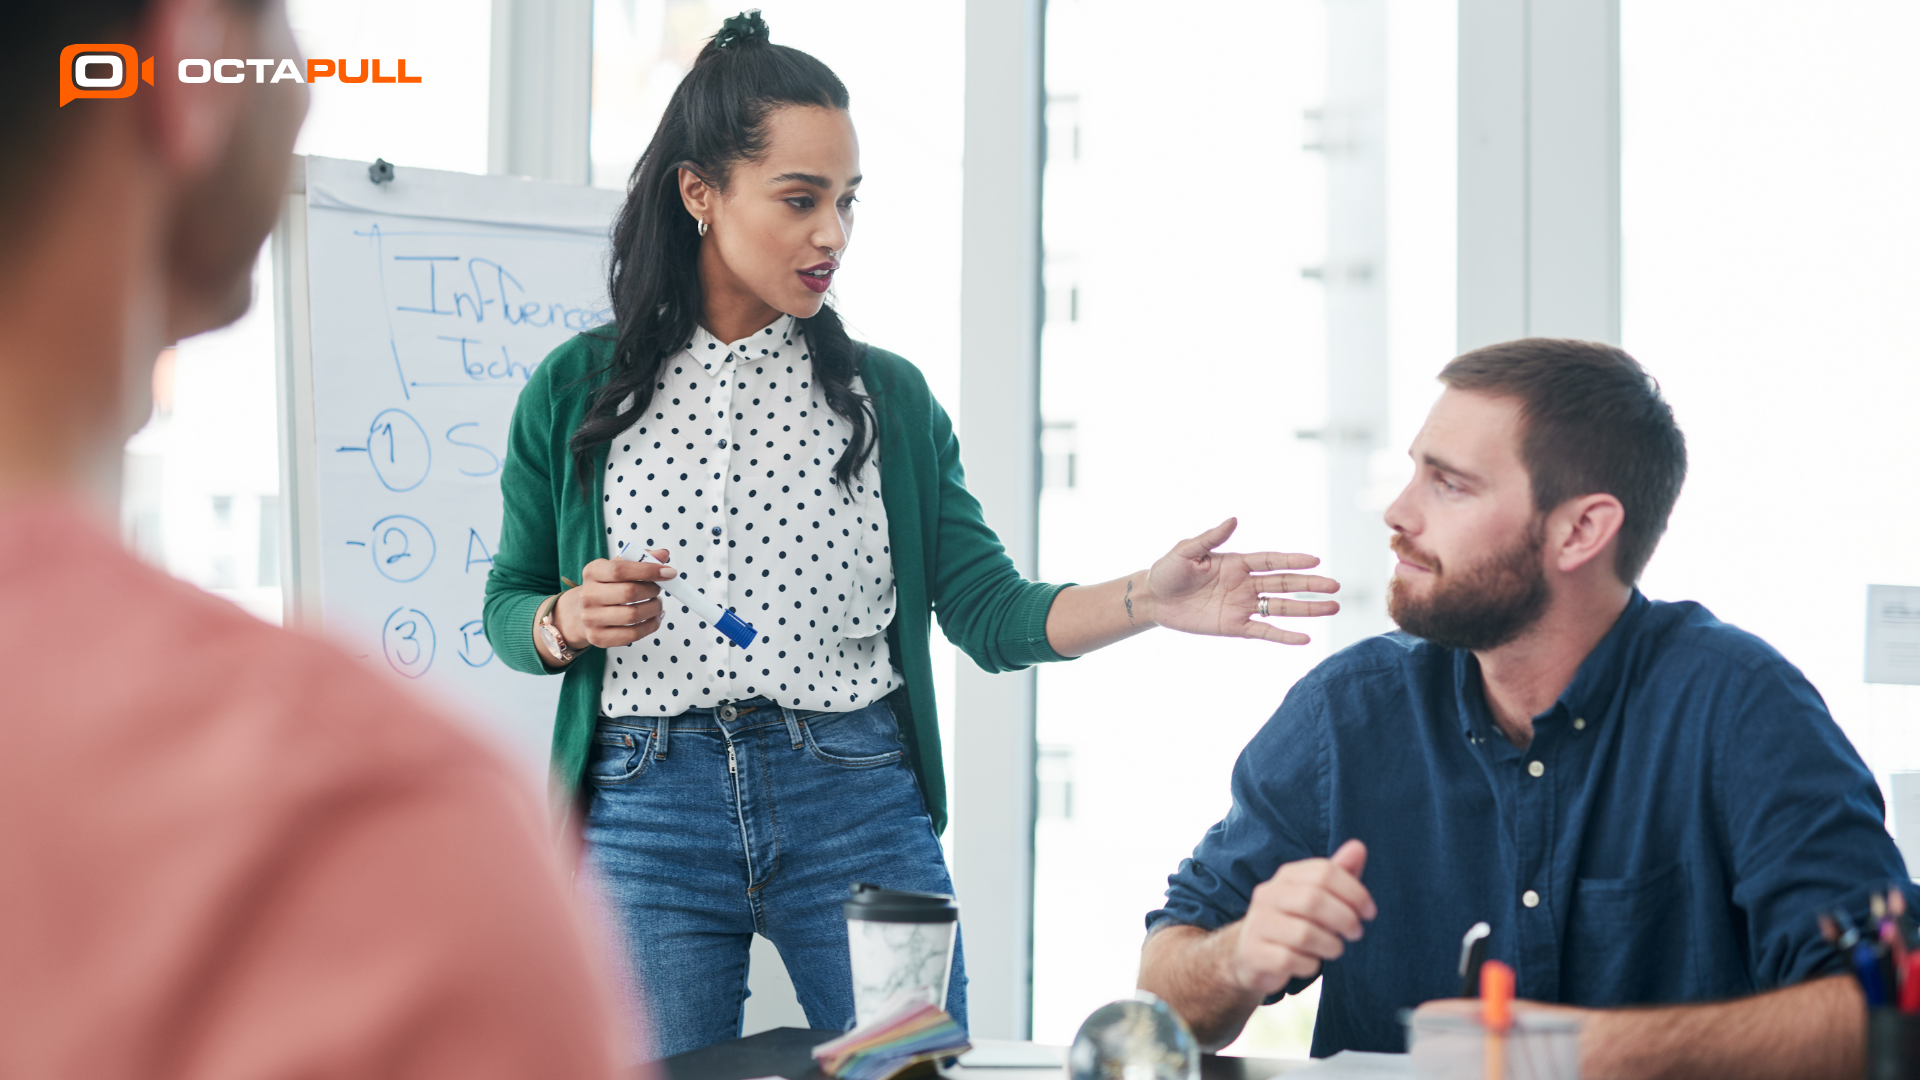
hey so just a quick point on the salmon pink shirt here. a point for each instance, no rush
(229, 850)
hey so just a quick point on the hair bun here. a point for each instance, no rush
(748, 24)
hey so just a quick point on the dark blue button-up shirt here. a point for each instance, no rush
(1686, 808)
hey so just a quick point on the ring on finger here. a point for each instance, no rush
(1263, 607)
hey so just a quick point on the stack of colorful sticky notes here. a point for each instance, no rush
(908, 1031)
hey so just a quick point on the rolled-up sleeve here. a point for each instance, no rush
(1805, 824)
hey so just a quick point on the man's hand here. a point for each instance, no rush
(1303, 916)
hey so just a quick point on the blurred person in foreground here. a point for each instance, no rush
(225, 850)
(1649, 806)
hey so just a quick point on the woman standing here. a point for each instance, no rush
(727, 425)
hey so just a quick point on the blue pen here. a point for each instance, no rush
(731, 626)
(1866, 965)
(1859, 952)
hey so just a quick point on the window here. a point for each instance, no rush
(440, 123)
(201, 481)
(1192, 311)
(1767, 221)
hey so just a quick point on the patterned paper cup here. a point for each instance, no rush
(899, 942)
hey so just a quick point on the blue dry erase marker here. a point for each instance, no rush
(731, 626)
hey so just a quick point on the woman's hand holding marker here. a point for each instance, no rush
(701, 606)
(616, 603)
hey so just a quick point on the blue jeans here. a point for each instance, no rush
(708, 827)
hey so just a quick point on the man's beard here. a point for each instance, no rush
(1482, 607)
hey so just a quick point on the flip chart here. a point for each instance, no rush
(429, 301)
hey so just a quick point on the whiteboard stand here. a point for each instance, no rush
(293, 385)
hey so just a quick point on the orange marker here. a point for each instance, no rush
(1496, 1014)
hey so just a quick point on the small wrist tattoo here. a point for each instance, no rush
(1128, 599)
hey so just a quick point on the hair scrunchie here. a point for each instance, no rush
(745, 25)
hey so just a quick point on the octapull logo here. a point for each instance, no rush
(116, 71)
(101, 71)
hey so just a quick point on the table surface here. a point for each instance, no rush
(787, 1052)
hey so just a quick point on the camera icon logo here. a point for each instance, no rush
(101, 71)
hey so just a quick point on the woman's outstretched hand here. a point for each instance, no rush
(1202, 591)
(1193, 588)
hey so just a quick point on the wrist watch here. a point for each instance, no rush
(556, 641)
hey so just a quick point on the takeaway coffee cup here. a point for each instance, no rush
(898, 942)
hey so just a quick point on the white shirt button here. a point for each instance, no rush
(1530, 898)
(1579, 723)
(1536, 768)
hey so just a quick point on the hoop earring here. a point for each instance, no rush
(703, 228)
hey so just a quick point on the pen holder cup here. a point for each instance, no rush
(1447, 1046)
(1893, 1045)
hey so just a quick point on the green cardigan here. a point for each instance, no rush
(946, 561)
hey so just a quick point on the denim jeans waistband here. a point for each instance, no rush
(732, 715)
(727, 719)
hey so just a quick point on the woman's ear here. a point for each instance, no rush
(696, 195)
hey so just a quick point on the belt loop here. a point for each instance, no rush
(793, 726)
(660, 727)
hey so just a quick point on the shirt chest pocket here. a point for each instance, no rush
(1627, 940)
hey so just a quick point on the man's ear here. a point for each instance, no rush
(1579, 530)
(696, 195)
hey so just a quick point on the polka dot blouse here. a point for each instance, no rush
(730, 467)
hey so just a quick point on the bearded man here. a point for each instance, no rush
(1650, 807)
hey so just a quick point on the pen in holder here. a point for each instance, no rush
(1893, 1045)
(1444, 1046)
(1493, 1042)
(1885, 958)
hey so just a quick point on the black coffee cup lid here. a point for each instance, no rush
(874, 904)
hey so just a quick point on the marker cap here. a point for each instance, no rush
(1496, 995)
(736, 629)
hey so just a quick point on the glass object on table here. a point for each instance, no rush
(1139, 1038)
